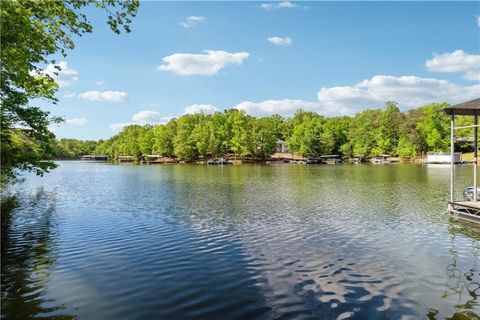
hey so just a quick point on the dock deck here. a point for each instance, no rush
(466, 210)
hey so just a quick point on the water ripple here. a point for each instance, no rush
(97, 241)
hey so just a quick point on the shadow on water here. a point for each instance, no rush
(462, 279)
(28, 257)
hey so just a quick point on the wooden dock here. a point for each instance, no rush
(89, 157)
(155, 159)
(331, 159)
(465, 210)
(126, 159)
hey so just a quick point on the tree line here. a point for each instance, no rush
(235, 133)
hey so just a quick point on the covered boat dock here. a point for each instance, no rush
(126, 159)
(90, 157)
(331, 159)
(464, 209)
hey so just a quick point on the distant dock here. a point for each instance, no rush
(89, 157)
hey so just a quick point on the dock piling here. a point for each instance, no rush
(475, 137)
(452, 155)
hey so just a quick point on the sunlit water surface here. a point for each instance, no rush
(99, 241)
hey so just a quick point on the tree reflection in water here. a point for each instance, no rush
(462, 281)
(28, 256)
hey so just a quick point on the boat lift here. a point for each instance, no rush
(469, 207)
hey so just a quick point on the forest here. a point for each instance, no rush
(233, 132)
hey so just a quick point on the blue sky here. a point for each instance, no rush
(267, 57)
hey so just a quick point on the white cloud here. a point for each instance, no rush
(267, 6)
(109, 96)
(76, 121)
(99, 82)
(284, 107)
(278, 5)
(472, 75)
(192, 21)
(207, 64)
(200, 108)
(456, 61)
(408, 91)
(154, 117)
(69, 94)
(149, 117)
(119, 126)
(280, 41)
(61, 73)
(142, 118)
(286, 4)
(478, 21)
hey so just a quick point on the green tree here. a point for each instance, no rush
(337, 128)
(434, 127)
(265, 136)
(240, 126)
(363, 133)
(71, 149)
(310, 139)
(146, 140)
(387, 134)
(409, 133)
(184, 145)
(31, 33)
(163, 138)
(406, 148)
(302, 116)
(220, 134)
(129, 142)
(201, 135)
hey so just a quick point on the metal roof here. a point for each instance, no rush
(468, 108)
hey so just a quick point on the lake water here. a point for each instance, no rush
(102, 241)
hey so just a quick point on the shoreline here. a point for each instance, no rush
(253, 162)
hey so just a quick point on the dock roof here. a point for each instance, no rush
(330, 156)
(469, 108)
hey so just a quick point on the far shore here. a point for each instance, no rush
(274, 159)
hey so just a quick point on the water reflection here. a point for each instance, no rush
(246, 242)
(463, 277)
(28, 255)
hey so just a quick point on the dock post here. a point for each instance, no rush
(475, 137)
(452, 155)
